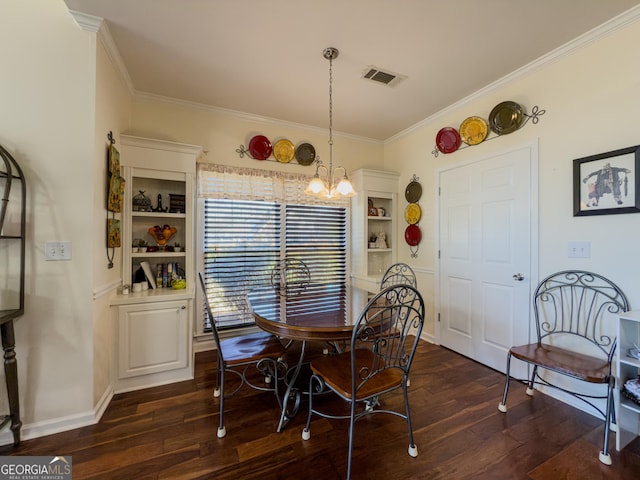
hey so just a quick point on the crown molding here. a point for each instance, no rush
(106, 39)
(251, 117)
(608, 28)
(99, 26)
(89, 23)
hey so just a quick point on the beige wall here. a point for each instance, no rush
(113, 111)
(590, 96)
(220, 133)
(47, 123)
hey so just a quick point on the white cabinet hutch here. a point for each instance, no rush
(379, 190)
(154, 327)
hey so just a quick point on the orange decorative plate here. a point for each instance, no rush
(474, 130)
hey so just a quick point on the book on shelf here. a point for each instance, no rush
(166, 273)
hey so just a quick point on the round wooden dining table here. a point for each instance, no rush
(318, 314)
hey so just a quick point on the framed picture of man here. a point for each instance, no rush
(607, 183)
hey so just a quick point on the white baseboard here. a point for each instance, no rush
(62, 424)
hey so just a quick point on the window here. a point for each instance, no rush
(244, 238)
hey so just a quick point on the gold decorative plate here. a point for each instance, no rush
(474, 130)
(283, 150)
(412, 213)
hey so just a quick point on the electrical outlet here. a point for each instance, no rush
(57, 250)
(579, 250)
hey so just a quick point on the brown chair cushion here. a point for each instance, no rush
(252, 347)
(577, 365)
(336, 371)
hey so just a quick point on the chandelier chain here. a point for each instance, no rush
(330, 109)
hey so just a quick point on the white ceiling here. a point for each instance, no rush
(264, 57)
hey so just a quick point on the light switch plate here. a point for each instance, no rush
(57, 251)
(579, 250)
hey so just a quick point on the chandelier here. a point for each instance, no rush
(328, 188)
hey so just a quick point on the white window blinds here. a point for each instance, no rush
(251, 220)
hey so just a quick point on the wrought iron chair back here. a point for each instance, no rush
(575, 314)
(398, 274)
(290, 277)
(262, 350)
(212, 319)
(579, 305)
(382, 348)
(389, 326)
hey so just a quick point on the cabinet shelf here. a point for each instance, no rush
(629, 405)
(377, 217)
(630, 361)
(158, 215)
(159, 254)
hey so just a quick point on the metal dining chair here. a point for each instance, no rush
(290, 277)
(398, 274)
(261, 349)
(382, 347)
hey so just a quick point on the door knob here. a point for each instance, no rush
(518, 277)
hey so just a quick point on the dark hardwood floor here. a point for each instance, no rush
(169, 432)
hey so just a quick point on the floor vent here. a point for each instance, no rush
(388, 78)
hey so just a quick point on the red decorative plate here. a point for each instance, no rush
(260, 147)
(412, 235)
(448, 140)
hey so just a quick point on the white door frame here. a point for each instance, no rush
(534, 223)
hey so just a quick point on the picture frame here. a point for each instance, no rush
(607, 183)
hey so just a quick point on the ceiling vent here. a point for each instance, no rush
(385, 77)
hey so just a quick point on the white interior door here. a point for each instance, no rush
(486, 233)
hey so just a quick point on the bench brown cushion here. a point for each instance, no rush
(577, 365)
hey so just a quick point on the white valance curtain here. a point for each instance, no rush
(237, 183)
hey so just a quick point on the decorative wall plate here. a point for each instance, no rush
(412, 213)
(413, 192)
(473, 130)
(260, 147)
(412, 235)
(283, 151)
(448, 140)
(305, 154)
(506, 117)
